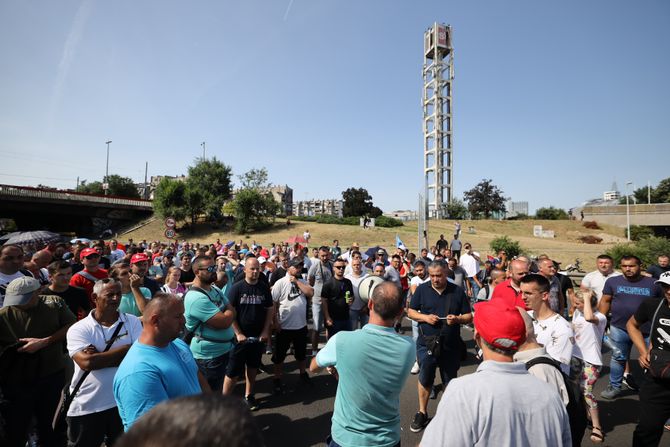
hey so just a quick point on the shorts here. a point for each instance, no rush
(244, 354)
(317, 316)
(214, 369)
(449, 362)
(286, 337)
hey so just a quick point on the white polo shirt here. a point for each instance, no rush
(96, 393)
(596, 281)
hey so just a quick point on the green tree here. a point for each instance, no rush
(170, 199)
(254, 179)
(207, 188)
(122, 187)
(485, 199)
(659, 194)
(456, 209)
(512, 248)
(551, 213)
(358, 203)
(253, 209)
(90, 188)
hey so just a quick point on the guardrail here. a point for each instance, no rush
(71, 196)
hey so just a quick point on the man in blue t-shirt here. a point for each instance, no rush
(209, 317)
(159, 366)
(253, 306)
(623, 295)
(440, 307)
(372, 365)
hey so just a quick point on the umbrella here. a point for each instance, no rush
(4, 237)
(372, 252)
(83, 240)
(34, 237)
(296, 239)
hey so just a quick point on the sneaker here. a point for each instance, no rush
(251, 402)
(277, 387)
(415, 369)
(268, 349)
(630, 383)
(419, 422)
(304, 378)
(610, 393)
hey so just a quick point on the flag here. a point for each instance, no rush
(398, 243)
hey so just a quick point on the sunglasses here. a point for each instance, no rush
(210, 269)
(92, 256)
(339, 267)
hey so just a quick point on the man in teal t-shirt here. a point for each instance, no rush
(209, 316)
(372, 365)
(158, 366)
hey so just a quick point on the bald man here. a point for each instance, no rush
(253, 305)
(159, 366)
(509, 291)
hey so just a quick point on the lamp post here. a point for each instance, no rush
(104, 184)
(628, 212)
(203, 150)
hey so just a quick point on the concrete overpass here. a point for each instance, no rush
(68, 211)
(655, 215)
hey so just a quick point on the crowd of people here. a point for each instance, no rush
(94, 335)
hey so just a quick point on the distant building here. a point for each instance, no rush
(611, 195)
(403, 215)
(284, 196)
(153, 184)
(515, 208)
(316, 207)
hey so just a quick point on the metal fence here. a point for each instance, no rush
(70, 196)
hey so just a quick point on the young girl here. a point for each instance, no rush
(133, 296)
(589, 327)
(172, 284)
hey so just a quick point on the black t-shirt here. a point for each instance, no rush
(566, 284)
(656, 270)
(660, 339)
(441, 243)
(151, 284)
(334, 290)
(186, 276)
(76, 299)
(251, 302)
(427, 301)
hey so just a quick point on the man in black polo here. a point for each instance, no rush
(439, 307)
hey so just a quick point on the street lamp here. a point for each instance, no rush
(104, 184)
(628, 212)
(203, 150)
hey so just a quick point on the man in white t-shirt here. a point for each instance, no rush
(596, 280)
(552, 330)
(469, 261)
(11, 267)
(93, 416)
(358, 310)
(115, 253)
(290, 295)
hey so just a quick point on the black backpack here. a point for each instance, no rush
(576, 406)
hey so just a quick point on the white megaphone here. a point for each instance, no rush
(367, 286)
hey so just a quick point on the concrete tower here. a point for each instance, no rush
(438, 75)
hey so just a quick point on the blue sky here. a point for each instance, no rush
(552, 100)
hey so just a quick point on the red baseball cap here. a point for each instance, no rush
(88, 251)
(500, 325)
(139, 257)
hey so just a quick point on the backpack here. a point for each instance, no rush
(576, 406)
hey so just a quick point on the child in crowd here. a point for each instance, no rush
(589, 326)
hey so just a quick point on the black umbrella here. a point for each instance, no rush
(34, 237)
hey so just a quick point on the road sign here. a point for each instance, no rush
(170, 233)
(170, 222)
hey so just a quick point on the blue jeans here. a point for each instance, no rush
(415, 330)
(621, 344)
(355, 317)
(475, 288)
(214, 370)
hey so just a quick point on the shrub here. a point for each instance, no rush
(512, 248)
(647, 249)
(520, 216)
(639, 232)
(551, 213)
(591, 225)
(388, 222)
(590, 239)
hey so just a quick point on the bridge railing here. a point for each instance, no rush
(37, 193)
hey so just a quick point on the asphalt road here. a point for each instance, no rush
(301, 416)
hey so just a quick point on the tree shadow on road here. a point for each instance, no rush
(280, 430)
